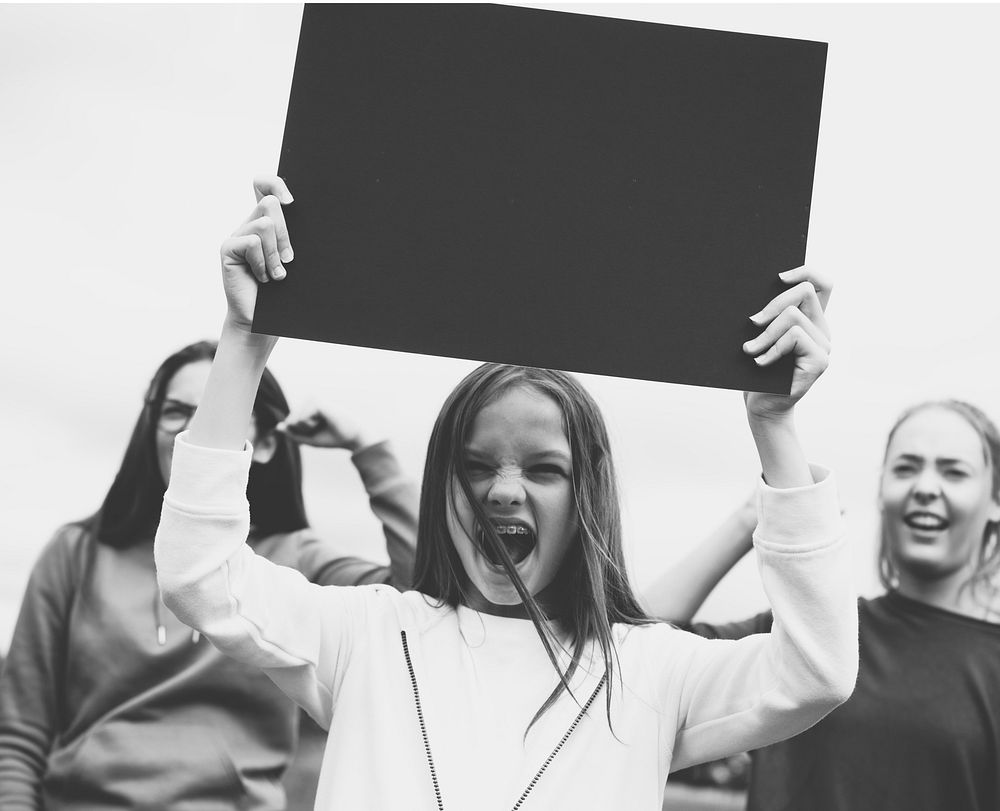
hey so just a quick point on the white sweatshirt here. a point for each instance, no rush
(339, 652)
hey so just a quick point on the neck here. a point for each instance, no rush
(550, 600)
(950, 593)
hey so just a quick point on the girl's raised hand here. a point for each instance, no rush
(794, 323)
(257, 251)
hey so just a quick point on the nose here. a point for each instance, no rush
(927, 487)
(506, 490)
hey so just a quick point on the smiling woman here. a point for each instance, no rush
(922, 730)
(940, 504)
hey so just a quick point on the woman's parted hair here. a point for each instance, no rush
(984, 578)
(592, 581)
(131, 508)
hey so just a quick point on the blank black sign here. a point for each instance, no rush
(544, 188)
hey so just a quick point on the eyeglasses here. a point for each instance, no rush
(174, 416)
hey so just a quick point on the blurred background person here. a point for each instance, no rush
(922, 729)
(106, 699)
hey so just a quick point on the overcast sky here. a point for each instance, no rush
(129, 137)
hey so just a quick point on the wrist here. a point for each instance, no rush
(767, 420)
(237, 334)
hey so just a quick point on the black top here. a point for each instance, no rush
(920, 733)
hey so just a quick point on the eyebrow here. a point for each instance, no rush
(173, 401)
(946, 460)
(533, 457)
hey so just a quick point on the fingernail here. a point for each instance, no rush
(287, 198)
(746, 346)
(756, 317)
(287, 255)
(759, 360)
(279, 273)
(783, 274)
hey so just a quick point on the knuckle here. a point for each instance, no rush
(263, 182)
(263, 223)
(792, 314)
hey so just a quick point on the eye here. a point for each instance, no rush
(904, 470)
(954, 474)
(475, 469)
(547, 470)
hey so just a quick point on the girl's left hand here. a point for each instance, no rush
(794, 323)
(321, 429)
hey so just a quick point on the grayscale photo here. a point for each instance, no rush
(506, 407)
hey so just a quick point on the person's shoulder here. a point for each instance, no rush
(413, 610)
(63, 557)
(655, 633)
(69, 542)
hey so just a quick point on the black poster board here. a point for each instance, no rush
(544, 188)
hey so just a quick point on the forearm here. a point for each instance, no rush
(782, 461)
(251, 609)
(678, 593)
(28, 704)
(772, 686)
(22, 764)
(224, 412)
(394, 501)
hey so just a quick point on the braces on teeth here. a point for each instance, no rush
(511, 530)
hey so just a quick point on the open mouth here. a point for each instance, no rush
(517, 538)
(928, 522)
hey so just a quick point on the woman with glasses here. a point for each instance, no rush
(106, 699)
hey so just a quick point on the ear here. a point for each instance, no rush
(994, 512)
(264, 448)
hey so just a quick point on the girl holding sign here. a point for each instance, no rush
(922, 730)
(520, 671)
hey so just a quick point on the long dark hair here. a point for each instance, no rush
(592, 580)
(984, 576)
(131, 509)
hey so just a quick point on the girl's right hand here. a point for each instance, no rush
(257, 251)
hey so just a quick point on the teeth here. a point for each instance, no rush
(926, 521)
(511, 529)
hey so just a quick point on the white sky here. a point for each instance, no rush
(129, 135)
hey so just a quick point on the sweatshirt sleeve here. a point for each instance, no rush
(31, 685)
(393, 500)
(734, 696)
(256, 611)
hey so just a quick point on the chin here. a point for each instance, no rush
(499, 595)
(924, 567)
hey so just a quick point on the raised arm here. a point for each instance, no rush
(755, 691)
(258, 612)
(677, 594)
(794, 323)
(252, 255)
